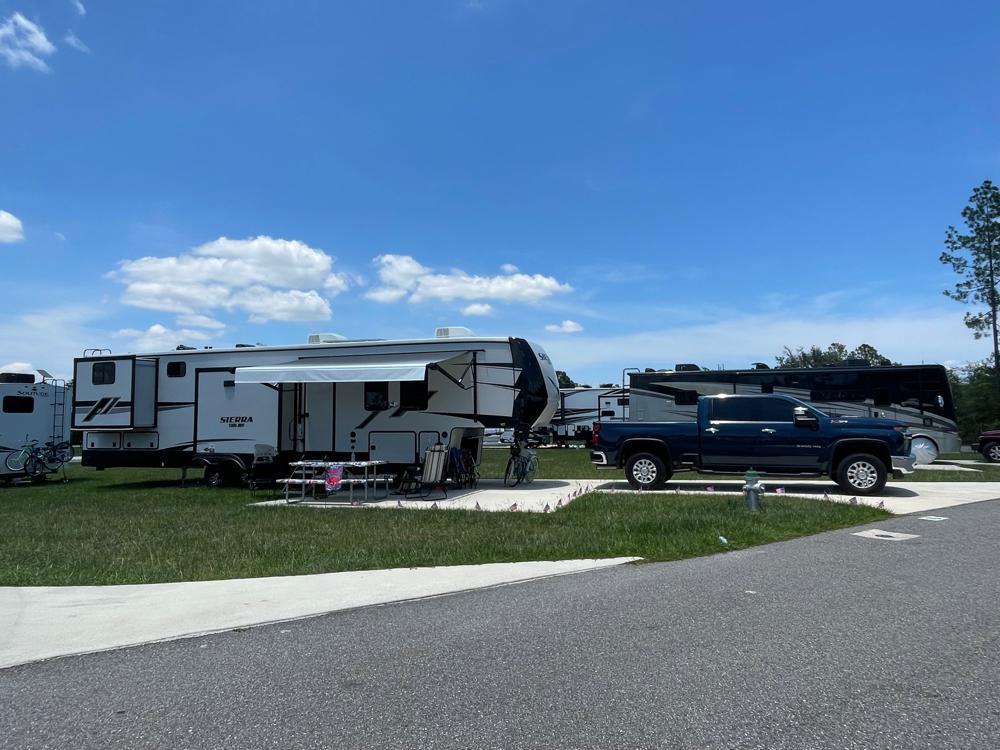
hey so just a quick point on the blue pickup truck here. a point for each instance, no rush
(773, 434)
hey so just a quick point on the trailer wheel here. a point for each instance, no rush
(221, 475)
(646, 471)
(991, 452)
(862, 474)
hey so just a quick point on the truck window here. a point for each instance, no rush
(752, 410)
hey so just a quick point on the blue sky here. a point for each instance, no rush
(628, 184)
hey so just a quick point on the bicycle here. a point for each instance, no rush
(28, 460)
(56, 455)
(521, 466)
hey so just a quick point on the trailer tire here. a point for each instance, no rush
(991, 452)
(646, 471)
(221, 475)
(862, 474)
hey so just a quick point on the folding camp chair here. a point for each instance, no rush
(433, 475)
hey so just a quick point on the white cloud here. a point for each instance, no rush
(23, 43)
(477, 308)
(402, 276)
(509, 268)
(21, 367)
(78, 6)
(50, 338)
(11, 229)
(265, 304)
(272, 279)
(200, 321)
(75, 42)
(567, 326)
(160, 338)
(386, 294)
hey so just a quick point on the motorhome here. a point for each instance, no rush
(579, 408)
(30, 411)
(248, 409)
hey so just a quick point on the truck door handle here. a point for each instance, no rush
(713, 430)
(768, 430)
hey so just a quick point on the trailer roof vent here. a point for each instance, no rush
(686, 367)
(245, 346)
(183, 348)
(452, 332)
(760, 366)
(325, 338)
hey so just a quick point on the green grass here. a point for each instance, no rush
(553, 463)
(574, 463)
(140, 526)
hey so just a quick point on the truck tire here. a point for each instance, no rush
(861, 474)
(991, 452)
(646, 471)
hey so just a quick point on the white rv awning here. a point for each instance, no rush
(382, 367)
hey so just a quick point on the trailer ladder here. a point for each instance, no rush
(58, 409)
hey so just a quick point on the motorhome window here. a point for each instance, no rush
(376, 396)
(882, 397)
(176, 369)
(103, 373)
(18, 405)
(413, 394)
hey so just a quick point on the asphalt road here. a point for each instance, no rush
(832, 641)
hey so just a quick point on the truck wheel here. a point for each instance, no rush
(646, 471)
(861, 474)
(991, 452)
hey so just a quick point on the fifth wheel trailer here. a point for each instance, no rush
(579, 408)
(30, 411)
(252, 409)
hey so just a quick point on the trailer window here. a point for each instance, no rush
(18, 405)
(176, 369)
(413, 395)
(103, 373)
(376, 396)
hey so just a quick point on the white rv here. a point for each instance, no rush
(240, 411)
(579, 408)
(30, 411)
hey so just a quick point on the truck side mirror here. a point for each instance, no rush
(804, 419)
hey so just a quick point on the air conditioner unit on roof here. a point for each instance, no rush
(452, 332)
(325, 338)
